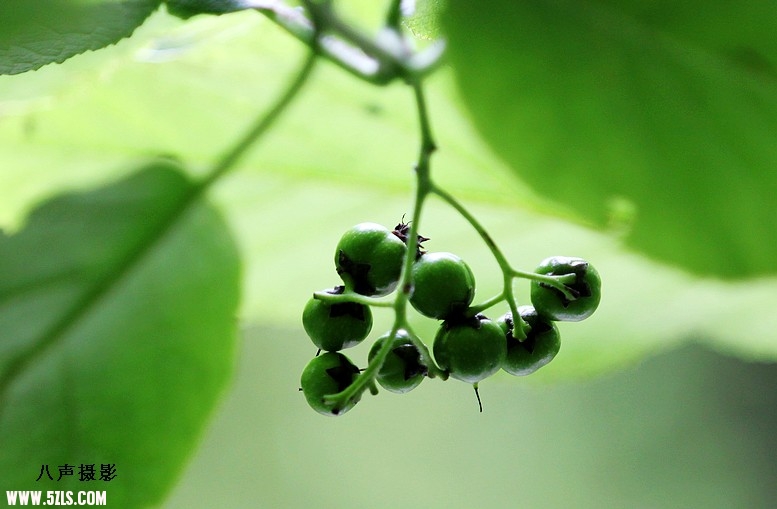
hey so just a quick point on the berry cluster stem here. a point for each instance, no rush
(375, 60)
(351, 296)
(558, 282)
(379, 61)
(519, 331)
(424, 187)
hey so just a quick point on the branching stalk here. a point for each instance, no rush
(424, 187)
(380, 60)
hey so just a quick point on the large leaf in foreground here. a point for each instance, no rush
(117, 334)
(633, 112)
(33, 34)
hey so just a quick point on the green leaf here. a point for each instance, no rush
(424, 21)
(33, 34)
(118, 333)
(658, 117)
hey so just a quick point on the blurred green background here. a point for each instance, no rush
(686, 429)
(641, 409)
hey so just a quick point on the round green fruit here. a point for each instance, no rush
(586, 288)
(327, 374)
(335, 326)
(369, 259)
(443, 285)
(541, 345)
(470, 350)
(402, 371)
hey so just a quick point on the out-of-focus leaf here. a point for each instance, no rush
(424, 20)
(33, 34)
(117, 335)
(658, 116)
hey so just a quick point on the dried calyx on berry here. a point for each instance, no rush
(402, 231)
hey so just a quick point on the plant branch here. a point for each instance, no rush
(352, 297)
(424, 187)
(394, 14)
(377, 60)
(507, 270)
(234, 154)
(556, 281)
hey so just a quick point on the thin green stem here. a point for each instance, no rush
(376, 60)
(352, 297)
(495, 251)
(349, 58)
(519, 324)
(424, 187)
(501, 260)
(426, 357)
(249, 139)
(366, 378)
(388, 56)
(496, 299)
(394, 14)
(558, 282)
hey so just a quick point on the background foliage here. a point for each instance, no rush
(667, 153)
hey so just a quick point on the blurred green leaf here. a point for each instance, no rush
(117, 334)
(33, 34)
(659, 117)
(424, 21)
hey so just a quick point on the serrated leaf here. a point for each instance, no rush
(33, 34)
(117, 335)
(648, 115)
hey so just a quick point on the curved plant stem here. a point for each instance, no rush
(424, 187)
(394, 14)
(507, 270)
(353, 297)
(250, 138)
(376, 60)
(558, 282)
(349, 58)
(496, 299)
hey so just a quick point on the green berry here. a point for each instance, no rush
(586, 289)
(369, 259)
(402, 371)
(540, 346)
(443, 285)
(335, 326)
(327, 374)
(470, 350)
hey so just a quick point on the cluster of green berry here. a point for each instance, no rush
(468, 346)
